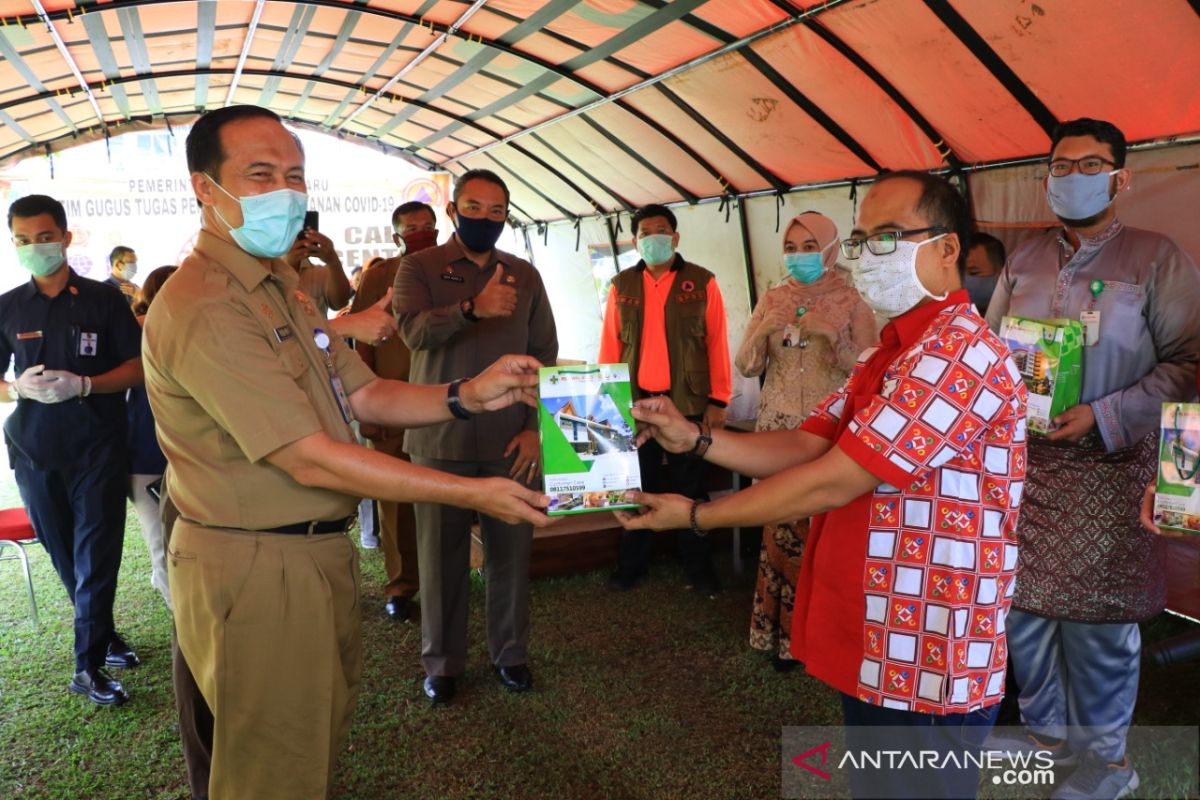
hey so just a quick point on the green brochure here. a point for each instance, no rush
(588, 455)
(1177, 496)
(1049, 356)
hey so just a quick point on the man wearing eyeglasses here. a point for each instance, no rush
(1088, 572)
(912, 474)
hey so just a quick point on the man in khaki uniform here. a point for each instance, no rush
(253, 402)
(415, 228)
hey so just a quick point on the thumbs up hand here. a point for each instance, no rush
(370, 326)
(498, 298)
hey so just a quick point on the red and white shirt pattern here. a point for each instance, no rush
(946, 434)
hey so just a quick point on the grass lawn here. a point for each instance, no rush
(647, 694)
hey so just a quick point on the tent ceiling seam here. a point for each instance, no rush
(603, 187)
(935, 137)
(135, 43)
(237, 73)
(792, 92)
(645, 163)
(411, 65)
(994, 64)
(730, 145)
(66, 55)
(520, 179)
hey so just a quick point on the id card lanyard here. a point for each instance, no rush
(1090, 318)
(321, 339)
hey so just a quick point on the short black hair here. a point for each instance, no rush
(942, 204)
(204, 153)
(118, 252)
(35, 205)
(651, 211)
(478, 175)
(1098, 129)
(992, 246)
(413, 206)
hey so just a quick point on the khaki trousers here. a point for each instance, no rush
(269, 625)
(398, 534)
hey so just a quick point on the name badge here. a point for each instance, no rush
(446, 276)
(87, 343)
(283, 333)
(21, 337)
(1091, 327)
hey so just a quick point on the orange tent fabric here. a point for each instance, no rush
(596, 106)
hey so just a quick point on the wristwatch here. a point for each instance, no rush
(454, 401)
(468, 309)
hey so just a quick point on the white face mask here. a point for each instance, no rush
(889, 284)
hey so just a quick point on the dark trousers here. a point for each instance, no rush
(195, 717)
(683, 475)
(79, 516)
(444, 561)
(873, 728)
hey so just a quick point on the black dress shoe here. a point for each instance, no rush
(99, 687)
(440, 689)
(516, 678)
(398, 608)
(120, 655)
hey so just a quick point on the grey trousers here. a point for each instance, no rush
(1079, 680)
(444, 561)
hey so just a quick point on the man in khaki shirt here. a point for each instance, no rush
(415, 229)
(253, 401)
(459, 305)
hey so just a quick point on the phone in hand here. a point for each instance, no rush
(311, 223)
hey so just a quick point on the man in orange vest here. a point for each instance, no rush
(665, 318)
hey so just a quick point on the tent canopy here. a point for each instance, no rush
(595, 106)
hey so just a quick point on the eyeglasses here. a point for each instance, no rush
(1088, 165)
(881, 244)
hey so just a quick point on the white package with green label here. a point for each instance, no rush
(1177, 494)
(587, 432)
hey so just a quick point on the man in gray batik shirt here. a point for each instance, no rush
(1087, 573)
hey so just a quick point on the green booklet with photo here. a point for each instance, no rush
(1177, 495)
(587, 431)
(1049, 356)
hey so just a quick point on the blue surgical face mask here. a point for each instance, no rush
(656, 248)
(1078, 196)
(41, 259)
(270, 221)
(804, 267)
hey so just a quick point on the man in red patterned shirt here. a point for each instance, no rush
(912, 474)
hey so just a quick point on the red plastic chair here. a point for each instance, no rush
(16, 531)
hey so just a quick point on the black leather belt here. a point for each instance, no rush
(316, 526)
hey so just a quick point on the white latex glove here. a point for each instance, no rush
(49, 385)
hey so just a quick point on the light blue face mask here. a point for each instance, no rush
(41, 259)
(1078, 196)
(656, 249)
(804, 267)
(270, 221)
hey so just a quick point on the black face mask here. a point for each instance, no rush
(479, 235)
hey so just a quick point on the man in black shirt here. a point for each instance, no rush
(75, 349)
